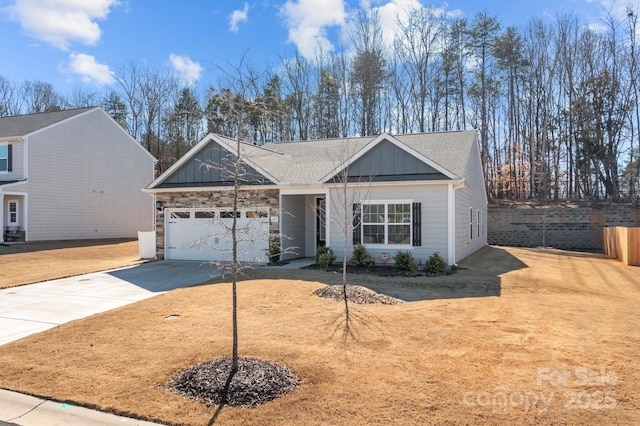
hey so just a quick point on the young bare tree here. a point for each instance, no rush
(346, 194)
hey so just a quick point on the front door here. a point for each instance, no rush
(13, 218)
(321, 222)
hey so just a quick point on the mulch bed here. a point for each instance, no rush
(356, 294)
(255, 382)
(383, 270)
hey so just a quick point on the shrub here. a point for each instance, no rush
(325, 256)
(274, 249)
(405, 261)
(435, 264)
(361, 257)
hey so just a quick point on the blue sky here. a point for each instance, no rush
(72, 43)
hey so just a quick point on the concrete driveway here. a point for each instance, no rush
(32, 308)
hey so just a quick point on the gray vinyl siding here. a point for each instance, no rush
(473, 195)
(85, 181)
(310, 226)
(434, 218)
(292, 218)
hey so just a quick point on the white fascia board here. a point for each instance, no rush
(209, 189)
(399, 183)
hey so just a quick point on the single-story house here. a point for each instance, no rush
(423, 193)
(74, 174)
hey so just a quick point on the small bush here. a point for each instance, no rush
(405, 261)
(435, 264)
(361, 257)
(325, 256)
(274, 249)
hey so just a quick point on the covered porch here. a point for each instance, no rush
(13, 217)
(303, 225)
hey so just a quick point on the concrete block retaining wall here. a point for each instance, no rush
(566, 225)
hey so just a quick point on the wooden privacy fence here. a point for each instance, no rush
(623, 244)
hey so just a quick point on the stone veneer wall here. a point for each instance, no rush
(204, 199)
(568, 225)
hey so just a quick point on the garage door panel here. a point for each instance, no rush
(211, 239)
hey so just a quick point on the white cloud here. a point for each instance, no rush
(308, 21)
(60, 22)
(90, 70)
(188, 69)
(237, 17)
(396, 12)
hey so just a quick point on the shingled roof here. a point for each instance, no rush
(308, 162)
(315, 162)
(22, 125)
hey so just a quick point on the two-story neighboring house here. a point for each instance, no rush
(74, 174)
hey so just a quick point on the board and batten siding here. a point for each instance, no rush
(434, 218)
(472, 195)
(86, 176)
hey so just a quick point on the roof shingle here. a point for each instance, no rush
(22, 125)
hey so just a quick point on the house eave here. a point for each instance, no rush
(209, 188)
(399, 183)
(310, 187)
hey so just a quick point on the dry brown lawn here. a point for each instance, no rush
(522, 336)
(40, 261)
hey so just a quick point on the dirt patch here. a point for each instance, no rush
(521, 336)
(41, 261)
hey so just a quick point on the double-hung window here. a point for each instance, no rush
(387, 223)
(4, 158)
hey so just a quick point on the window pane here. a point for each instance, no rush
(373, 213)
(373, 234)
(3, 164)
(399, 234)
(228, 214)
(399, 213)
(205, 215)
(180, 215)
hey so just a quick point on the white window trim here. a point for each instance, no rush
(4, 172)
(386, 224)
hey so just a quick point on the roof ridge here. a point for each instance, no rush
(79, 109)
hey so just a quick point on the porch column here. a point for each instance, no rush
(451, 234)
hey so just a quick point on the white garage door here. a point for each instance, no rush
(198, 234)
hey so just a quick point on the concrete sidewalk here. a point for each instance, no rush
(33, 308)
(25, 410)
